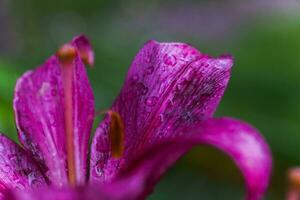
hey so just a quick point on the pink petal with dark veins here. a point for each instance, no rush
(245, 146)
(17, 169)
(168, 85)
(39, 110)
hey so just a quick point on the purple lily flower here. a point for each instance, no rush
(164, 109)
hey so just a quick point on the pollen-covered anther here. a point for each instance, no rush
(294, 178)
(66, 54)
(116, 134)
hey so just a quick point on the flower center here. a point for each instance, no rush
(66, 55)
(116, 134)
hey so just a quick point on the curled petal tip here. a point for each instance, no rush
(224, 62)
(85, 49)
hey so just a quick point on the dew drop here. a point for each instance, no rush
(148, 58)
(22, 136)
(179, 86)
(99, 171)
(6, 168)
(135, 78)
(204, 64)
(161, 117)
(142, 89)
(170, 60)
(223, 63)
(169, 127)
(32, 179)
(150, 70)
(52, 119)
(151, 101)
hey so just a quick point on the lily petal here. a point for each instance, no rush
(91, 192)
(39, 110)
(17, 169)
(168, 84)
(85, 50)
(245, 146)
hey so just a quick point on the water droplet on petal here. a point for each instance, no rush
(135, 78)
(32, 180)
(179, 86)
(151, 101)
(224, 63)
(170, 60)
(204, 64)
(148, 58)
(161, 117)
(22, 136)
(51, 118)
(99, 171)
(141, 88)
(149, 70)
(169, 127)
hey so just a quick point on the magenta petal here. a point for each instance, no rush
(91, 192)
(85, 49)
(55, 194)
(17, 169)
(240, 141)
(168, 84)
(39, 110)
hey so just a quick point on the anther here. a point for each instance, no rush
(66, 54)
(116, 134)
(294, 177)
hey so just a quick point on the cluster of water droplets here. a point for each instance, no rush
(17, 170)
(169, 87)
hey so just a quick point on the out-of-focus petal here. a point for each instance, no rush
(240, 141)
(17, 169)
(168, 84)
(92, 192)
(39, 110)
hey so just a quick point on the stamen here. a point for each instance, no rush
(66, 56)
(294, 180)
(116, 134)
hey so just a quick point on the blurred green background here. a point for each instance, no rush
(263, 36)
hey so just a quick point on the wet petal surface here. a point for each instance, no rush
(118, 191)
(168, 85)
(17, 169)
(39, 110)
